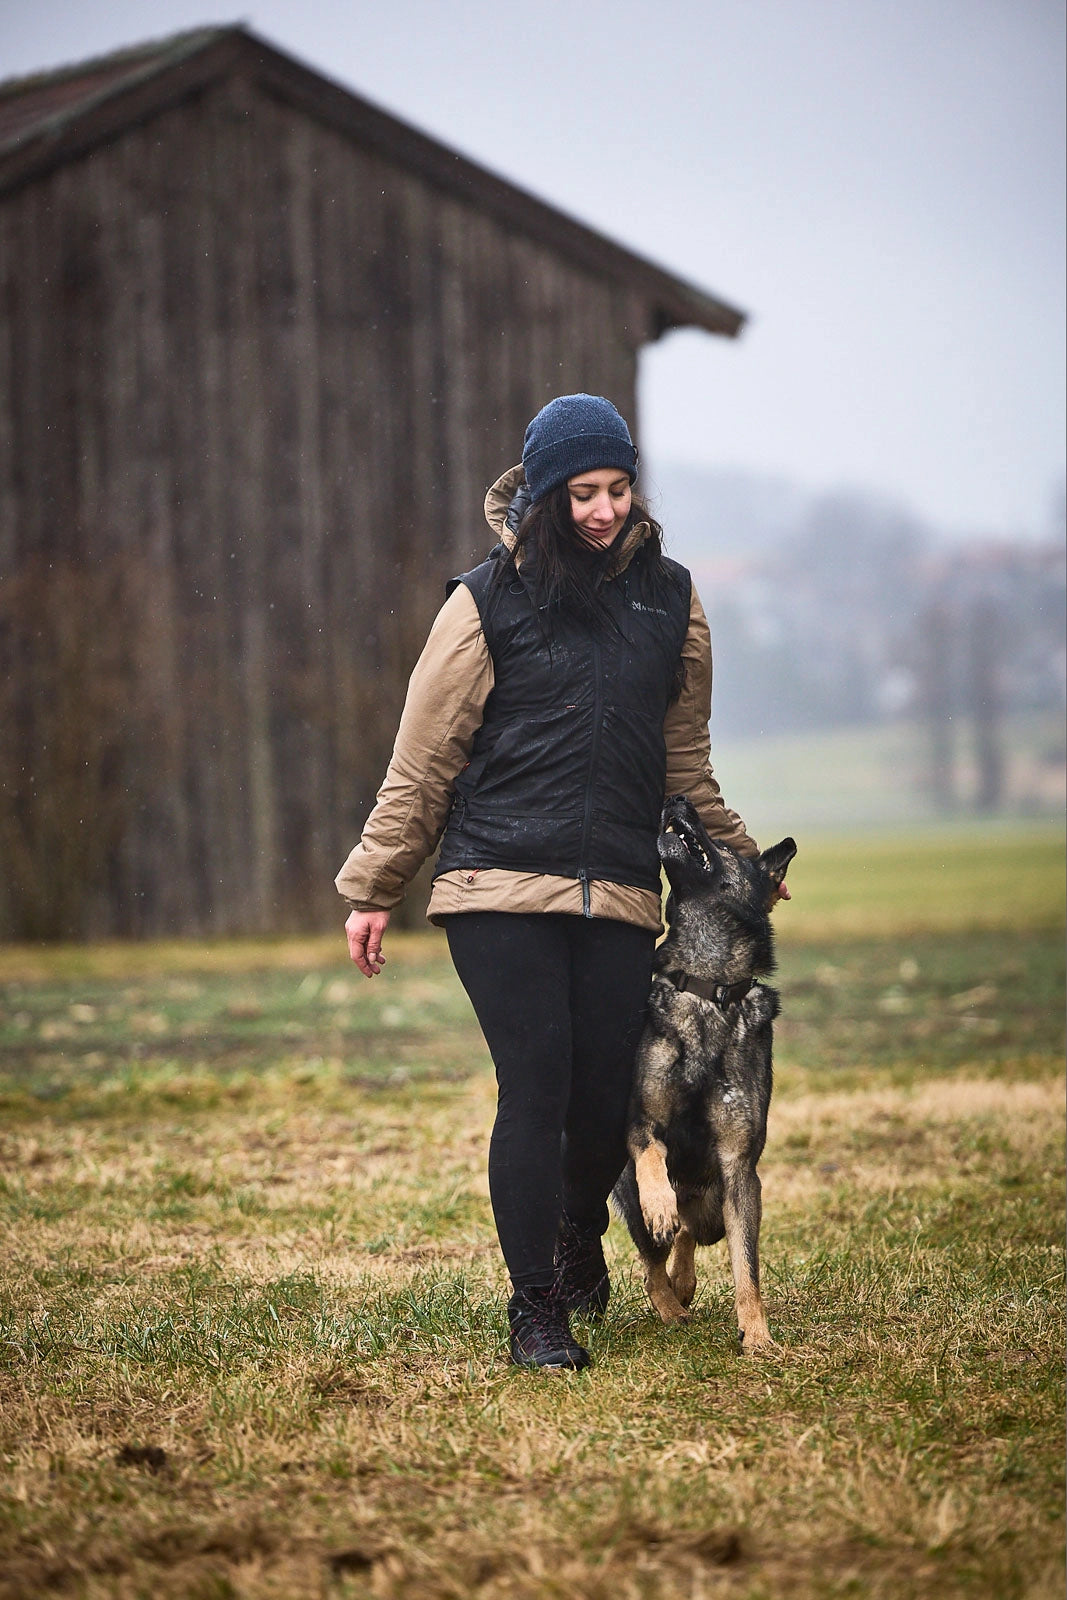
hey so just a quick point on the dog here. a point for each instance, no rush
(698, 1114)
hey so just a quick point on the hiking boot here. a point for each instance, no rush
(582, 1282)
(540, 1334)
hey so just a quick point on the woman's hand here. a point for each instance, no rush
(365, 930)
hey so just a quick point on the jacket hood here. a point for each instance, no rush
(499, 499)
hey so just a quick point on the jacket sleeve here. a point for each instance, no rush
(685, 731)
(443, 710)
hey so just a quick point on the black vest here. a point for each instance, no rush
(567, 771)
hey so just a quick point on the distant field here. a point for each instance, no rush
(930, 880)
(252, 1340)
(871, 777)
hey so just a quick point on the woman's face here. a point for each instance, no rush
(600, 503)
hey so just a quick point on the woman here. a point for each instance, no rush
(565, 688)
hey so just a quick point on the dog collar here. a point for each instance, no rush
(721, 994)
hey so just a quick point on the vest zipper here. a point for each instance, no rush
(594, 753)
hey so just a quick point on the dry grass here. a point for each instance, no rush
(251, 1311)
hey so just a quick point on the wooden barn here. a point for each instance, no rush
(262, 348)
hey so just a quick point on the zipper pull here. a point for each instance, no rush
(583, 878)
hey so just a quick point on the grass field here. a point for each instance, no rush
(252, 1339)
(873, 775)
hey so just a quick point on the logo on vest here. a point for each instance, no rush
(651, 611)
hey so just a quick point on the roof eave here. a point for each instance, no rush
(198, 59)
(672, 302)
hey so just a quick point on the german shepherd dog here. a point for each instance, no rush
(698, 1117)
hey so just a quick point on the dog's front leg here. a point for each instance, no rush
(742, 1211)
(659, 1208)
(659, 1203)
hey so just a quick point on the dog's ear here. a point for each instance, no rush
(775, 861)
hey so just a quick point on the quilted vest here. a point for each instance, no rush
(567, 771)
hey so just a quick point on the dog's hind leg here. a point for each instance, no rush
(742, 1211)
(681, 1268)
(661, 1291)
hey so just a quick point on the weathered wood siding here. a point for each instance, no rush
(254, 381)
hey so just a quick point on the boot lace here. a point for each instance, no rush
(581, 1272)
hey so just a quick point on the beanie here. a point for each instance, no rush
(575, 433)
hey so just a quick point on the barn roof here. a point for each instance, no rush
(53, 117)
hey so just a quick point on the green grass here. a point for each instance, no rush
(887, 887)
(252, 1339)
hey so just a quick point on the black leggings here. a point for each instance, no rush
(561, 1002)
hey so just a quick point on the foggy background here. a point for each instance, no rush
(869, 484)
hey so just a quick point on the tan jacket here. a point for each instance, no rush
(444, 707)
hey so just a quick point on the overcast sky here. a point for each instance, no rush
(880, 183)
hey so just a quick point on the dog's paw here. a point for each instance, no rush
(755, 1339)
(662, 1227)
(660, 1211)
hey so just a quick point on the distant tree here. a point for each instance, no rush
(985, 639)
(935, 663)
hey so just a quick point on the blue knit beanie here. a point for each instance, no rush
(575, 433)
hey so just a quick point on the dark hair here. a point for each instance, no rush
(564, 571)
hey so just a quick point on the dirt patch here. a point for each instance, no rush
(150, 1456)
